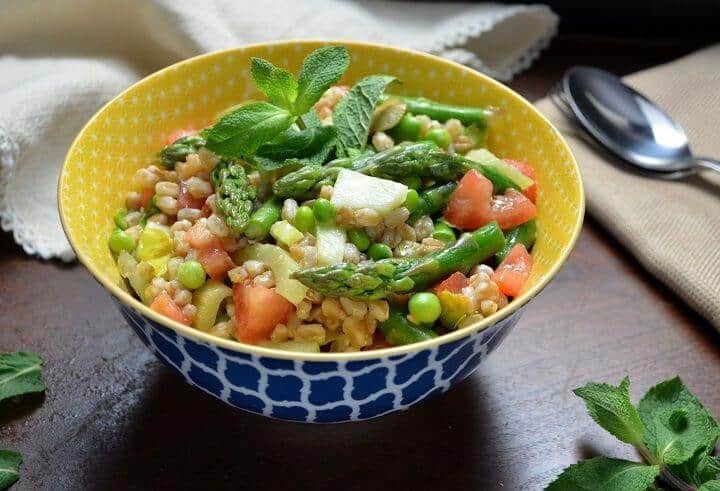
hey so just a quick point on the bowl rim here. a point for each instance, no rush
(130, 301)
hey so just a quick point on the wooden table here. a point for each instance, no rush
(115, 418)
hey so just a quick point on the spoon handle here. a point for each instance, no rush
(707, 163)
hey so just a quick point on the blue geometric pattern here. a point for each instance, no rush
(319, 391)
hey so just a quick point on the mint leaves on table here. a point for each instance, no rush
(603, 473)
(670, 428)
(20, 374)
(9, 464)
(240, 132)
(353, 113)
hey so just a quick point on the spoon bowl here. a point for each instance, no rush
(629, 124)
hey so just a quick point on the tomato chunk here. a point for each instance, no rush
(165, 305)
(179, 133)
(512, 209)
(257, 311)
(146, 196)
(200, 237)
(529, 171)
(453, 283)
(514, 271)
(470, 205)
(187, 200)
(215, 261)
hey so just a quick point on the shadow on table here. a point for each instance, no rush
(180, 438)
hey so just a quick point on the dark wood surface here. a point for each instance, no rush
(114, 418)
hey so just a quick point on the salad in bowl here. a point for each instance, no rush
(327, 217)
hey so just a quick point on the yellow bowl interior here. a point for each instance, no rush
(125, 135)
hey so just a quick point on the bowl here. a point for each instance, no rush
(307, 387)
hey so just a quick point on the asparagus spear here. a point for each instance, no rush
(263, 218)
(433, 200)
(380, 279)
(422, 159)
(398, 330)
(234, 192)
(442, 112)
(523, 234)
(178, 150)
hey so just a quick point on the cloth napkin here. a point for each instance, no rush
(68, 57)
(672, 227)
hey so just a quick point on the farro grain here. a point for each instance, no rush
(166, 188)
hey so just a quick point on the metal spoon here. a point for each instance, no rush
(628, 124)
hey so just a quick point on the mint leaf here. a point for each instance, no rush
(353, 114)
(713, 485)
(605, 474)
(20, 373)
(315, 143)
(311, 119)
(277, 84)
(9, 464)
(611, 408)
(320, 69)
(698, 469)
(677, 425)
(241, 131)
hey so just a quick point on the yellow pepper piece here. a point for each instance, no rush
(207, 299)
(160, 264)
(154, 242)
(455, 307)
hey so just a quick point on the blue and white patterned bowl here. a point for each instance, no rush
(308, 387)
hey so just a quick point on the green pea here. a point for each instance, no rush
(359, 238)
(324, 211)
(413, 182)
(440, 136)
(304, 219)
(412, 200)
(425, 307)
(444, 232)
(191, 274)
(121, 241)
(408, 129)
(380, 251)
(119, 219)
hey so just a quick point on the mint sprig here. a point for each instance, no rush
(605, 474)
(670, 428)
(20, 374)
(240, 132)
(9, 468)
(320, 69)
(353, 113)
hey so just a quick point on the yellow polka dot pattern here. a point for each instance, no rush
(126, 133)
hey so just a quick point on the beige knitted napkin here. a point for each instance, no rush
(672, 227)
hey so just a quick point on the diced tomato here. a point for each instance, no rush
(215, 261)
(164, 304)
(512, 209)
(529, 171)
(206, 211)
(187, 200)
(453, 283)
(200, 237)
(470, 205)
(379, 342)
(177, 134)
(146, 196)
(514, 271)
(257, 311)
